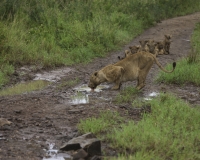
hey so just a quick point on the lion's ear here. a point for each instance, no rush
(130, 47)
(95, 73)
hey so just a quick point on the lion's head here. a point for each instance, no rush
(94, 81)
(134, 49)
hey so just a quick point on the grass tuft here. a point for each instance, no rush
(24, 88)
(104, 123)
(126, 95)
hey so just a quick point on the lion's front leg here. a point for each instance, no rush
(117, 85)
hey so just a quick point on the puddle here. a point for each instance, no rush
(82, 93)
(53, 154)
(151, 95)
(52, 76)
(85, 88)
(80, 98)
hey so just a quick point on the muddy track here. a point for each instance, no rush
(44, 117)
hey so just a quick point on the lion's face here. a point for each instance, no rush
(134, 49)
(160, 45)
(94, 81)
(151, 46)
(168, 37)
(128, 53)
(143, 44)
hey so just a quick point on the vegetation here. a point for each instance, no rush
(103, 123)
(126, 95)
(60, 32)
(189, 67)
(170, 131)
(24, 87)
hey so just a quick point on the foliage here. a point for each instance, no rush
(103, 123)
(126, 95)
(24, 87)
(171, 131)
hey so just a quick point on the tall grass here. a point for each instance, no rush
(187, 70)
(59, 32)
(171, 131)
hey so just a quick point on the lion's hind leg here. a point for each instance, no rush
(143, 74)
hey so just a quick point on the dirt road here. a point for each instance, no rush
(48, 118)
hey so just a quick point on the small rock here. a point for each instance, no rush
(88, 142)
(80, 154)
(4, 121)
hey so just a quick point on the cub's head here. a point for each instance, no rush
(151, 45)
(128, 53)
(143, 44)
(160, 45)
(168, 37)
(94, 81)
(134, 49)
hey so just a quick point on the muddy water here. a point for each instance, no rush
(53, 154)
(81, 95)
(54, 75)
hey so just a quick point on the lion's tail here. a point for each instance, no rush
(163, 69)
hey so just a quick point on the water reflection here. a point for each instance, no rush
(80, 98)
(52, 154)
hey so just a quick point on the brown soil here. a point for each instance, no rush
(47, 116)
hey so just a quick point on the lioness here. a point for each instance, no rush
(132, 67)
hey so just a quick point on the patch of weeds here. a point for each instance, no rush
(126, 95)
(103, 123)
(185, 72)
(138, 103)
(69, 83)
(6, 71)
(193, 57)
(24, 87)
(171, 131)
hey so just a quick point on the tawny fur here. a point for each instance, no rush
(132, 67)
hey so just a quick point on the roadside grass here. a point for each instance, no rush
(24, 87)
(184, 73)
(187, 70)
(77, 31)
(102, 124)
(126, 95)
(170, 131)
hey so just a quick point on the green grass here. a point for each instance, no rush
(184, 73)
(77, 31)
(126, 95)
(187, 69)
(103, 123)
(171, 131)
(24, 88)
